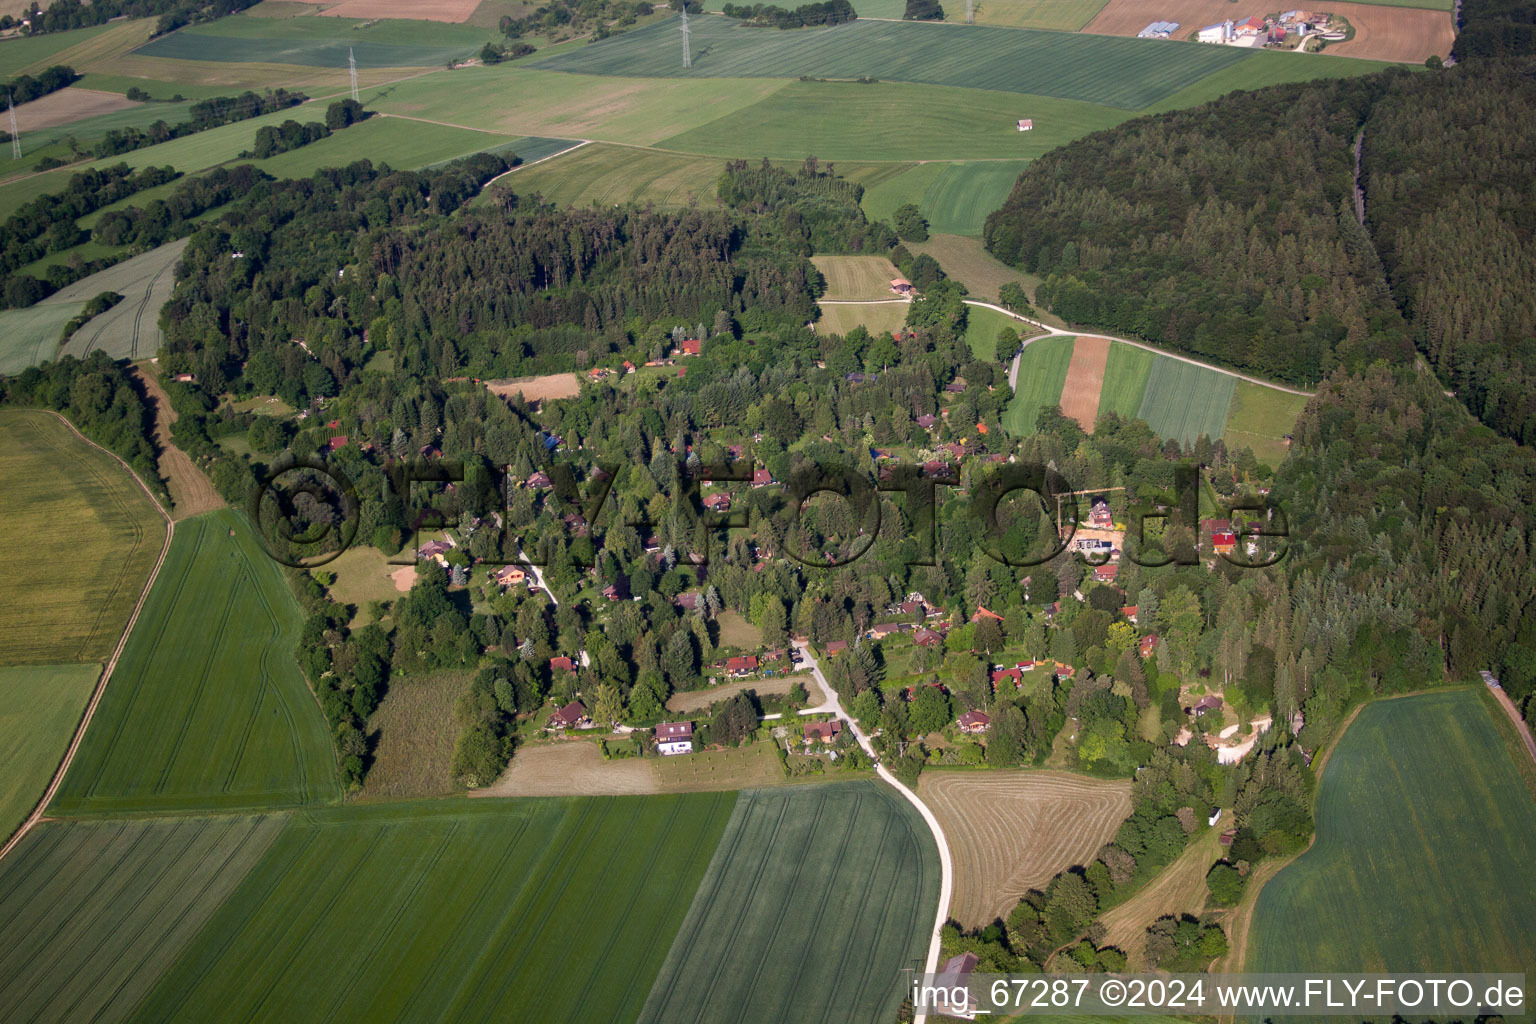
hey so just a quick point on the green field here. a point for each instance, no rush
(895, 121)
(40, 705)
(981, 328)
(1042, 372)
(607, 175)
(1263, 68)
(1183, 401)
(30, 336)
(87, 132)
(207, 708)
(1260, 418)
(158, 90)
(35, 52)
(320, 42)
(1423, 854)
(815, 902)
(1058, 15)
(1125, 73)
(543, 910)
(876, 318)
(130, 329)
(957, 203)
(91, 534)
(384, 140)
(1125, 380)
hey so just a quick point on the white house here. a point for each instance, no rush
(674, 738)
(1220, 32)
(1026, 124)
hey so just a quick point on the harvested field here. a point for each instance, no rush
(537, 389)
(572, 768)
(192, 493)
(875, 316)
(1178, 889)
(1085, 378)
(452, 11)
(1393, 33)
(697, 700)
(91, 536)
(857, 277)
(1402, 34)
(69, 105)
(1010, 832)
(416, 730)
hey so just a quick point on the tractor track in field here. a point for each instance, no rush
(106, 672)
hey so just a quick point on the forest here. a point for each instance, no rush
(1229, 233)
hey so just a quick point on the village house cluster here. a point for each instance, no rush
(1255, 30)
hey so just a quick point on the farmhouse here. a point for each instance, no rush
(901, 286)
(1026, 124)
(1220, 32)
(674, 738)
(572, 716)
(1248, 29)
(974, 722)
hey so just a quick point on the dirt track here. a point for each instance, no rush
(1407, 34)
(192, 492)
(1085, 379)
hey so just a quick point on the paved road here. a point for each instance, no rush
(832, 705)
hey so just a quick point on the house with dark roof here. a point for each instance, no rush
(761, 478)
(974, 722)
(674, 738)
(951, 995)
(572, 716)
(834, 647)
(822, 732)
(927, 638)
(926, 421)
(1147, 646)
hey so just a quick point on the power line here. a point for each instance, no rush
(970, 12)
(352, 69)
(687, 55)
(15, 132)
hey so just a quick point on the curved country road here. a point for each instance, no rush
(117, 652)
(832, 705)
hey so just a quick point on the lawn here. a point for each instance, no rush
(207, 708)
(91, 535)
(1422, 860)
(130, 329)
(981, 330)
(1183, 401)
(30, 336)
(817, 900)
(1013, 831)
(1042, 372)
(362, 574)
(1260, 418)
(756, 764)
(856, 277)
(1125, 380)
(40, 705)
(93, 913)
(1125, 73)
(875, 317)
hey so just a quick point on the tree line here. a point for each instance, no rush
(204, 114)
(830, 12)
(24, 88)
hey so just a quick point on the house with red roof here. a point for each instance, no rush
(927, 638)
(742, 666)
(822, 732)
(572, 716)
(974, 722)
(761, 478)
(983, 613)
(562, 664)
(1147, 646)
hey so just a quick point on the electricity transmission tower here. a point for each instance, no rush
(15, 133)
(352, 69)
(970, 12)
(687, 55)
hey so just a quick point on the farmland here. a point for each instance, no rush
(40, 705)
(856, 277)
(1420, 788)
(577, 768)
(536, 389)
(874, 316)
(1260, 418)
(823, 889)
(34, 53)
(207, 708)
(1056, 15)
(319, 42)
(30, 336)
(68, 105)
(1183, 401)
(965, 260)
(1125, 380)
(1010, 832)
(190, 489)
(1085, 376)
(1042, 372)
(606, 175)
(92, 535)
(958, 201)
(1128, 74)
(130, 329)
(93, 913)
(361, 913)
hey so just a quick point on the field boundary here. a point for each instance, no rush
(106, 672)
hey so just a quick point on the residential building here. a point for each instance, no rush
(674, 738)
(974, 722)
(822, 732)
(572, 716)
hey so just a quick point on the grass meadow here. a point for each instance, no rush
(874, 317)
(40, 705)
(87, 132)
(1042, 372)
(1125, 73)
(958, 201)
(547, 910)
(320, 42)
(856, 277)
(415, 728)
(1422, 858)
(608, 175)
(818, 896)
(1183, 401)
(1260, 418)
(92, 536)
(981, 329)
(207, 708)
(34, 53)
